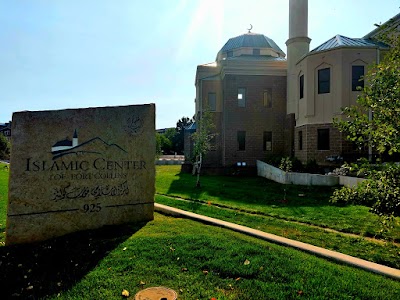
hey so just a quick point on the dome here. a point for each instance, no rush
(251, 40)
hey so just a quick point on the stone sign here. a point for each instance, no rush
(79, 169)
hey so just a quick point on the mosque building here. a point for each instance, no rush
(264, 103)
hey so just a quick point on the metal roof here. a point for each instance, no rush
(253, 40)
(343, 41)
(191, 126)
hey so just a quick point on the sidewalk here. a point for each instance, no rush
(343, 258)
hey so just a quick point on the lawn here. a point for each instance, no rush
(196, 260)
(265, 197)
(3, 199)
(285, 223)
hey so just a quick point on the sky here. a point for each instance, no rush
(57, 54)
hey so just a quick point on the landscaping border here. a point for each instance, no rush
(277, 175)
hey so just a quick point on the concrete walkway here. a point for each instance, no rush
(343, 258)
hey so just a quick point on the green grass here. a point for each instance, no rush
(196, 260)
(3, 200)
(262, 196)
(285, 223)
(375, 251)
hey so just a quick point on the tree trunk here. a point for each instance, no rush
(198, 171)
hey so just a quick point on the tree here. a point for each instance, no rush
(163, 144)
(172, 141)
(178, 141)
(4, 147)
(380, 192)
(375, 120)
(158, 145)
(202, 141)
(183, 123)
(170, 137)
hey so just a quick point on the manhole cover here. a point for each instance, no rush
(156, 293)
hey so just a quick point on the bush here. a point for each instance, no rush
(286, 164)
(312, 166)
(387, 191)
(360, 195)
(361, 168)
(342, 171)
(381, 192)
(297, 165)
(274, 160)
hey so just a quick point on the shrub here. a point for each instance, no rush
(360, 195)
(342, 171)
(361, 168)
(286, 164)
(387, 191)
(297, 165)
(381, 192)
(274, 160)
(312, 166)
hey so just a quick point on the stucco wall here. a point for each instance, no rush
(317, 108)
(350, 181)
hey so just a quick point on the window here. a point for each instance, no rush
(324, 81)
(356, 82)
(301, 86)
(256, 51)
(241, 138)
(323, 139)
(241, 97)
(300, 140)
(229, 54)
(267, 98)
(267, 146)
(212, 101)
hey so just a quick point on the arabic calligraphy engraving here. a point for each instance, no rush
(69, 192)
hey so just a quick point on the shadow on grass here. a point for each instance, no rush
(249, 190)
(42, 269)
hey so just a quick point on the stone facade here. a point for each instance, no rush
(254, 119)
(338, 145)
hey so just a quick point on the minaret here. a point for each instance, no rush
(298, 45)
(75, 139)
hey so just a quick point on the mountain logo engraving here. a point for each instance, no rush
(95, 145)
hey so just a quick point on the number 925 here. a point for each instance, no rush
(92, 208)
